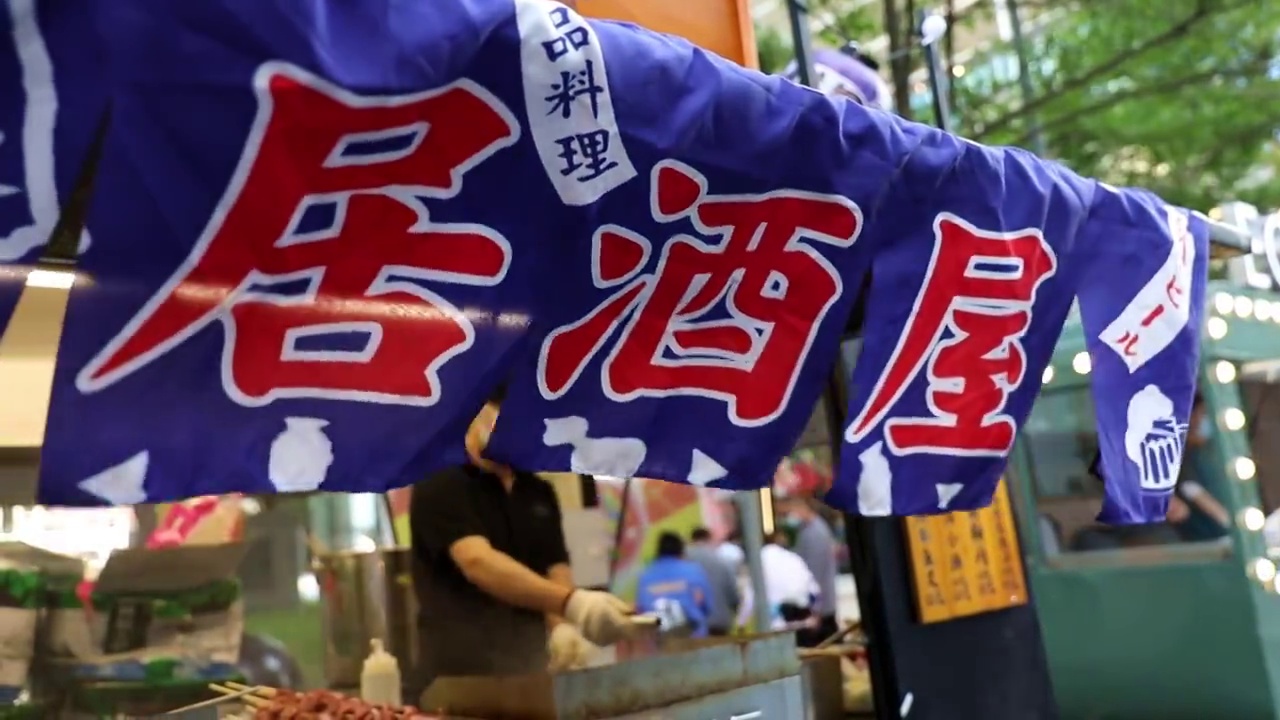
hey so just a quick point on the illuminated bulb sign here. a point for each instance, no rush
(1261, 267)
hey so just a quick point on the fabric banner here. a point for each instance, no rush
(329, 232)
(948, 374)
(53, 98)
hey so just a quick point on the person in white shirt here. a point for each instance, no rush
(732, 554)
(790, 586)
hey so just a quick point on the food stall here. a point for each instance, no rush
(1107, 611)
(111, 625)
(361, 566)
(749, 676)
(368, 595)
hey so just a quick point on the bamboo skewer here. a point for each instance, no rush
(829, 646)
(839, 635)
(263, 690)
(260, 697)
(226, 694)
(247, 696)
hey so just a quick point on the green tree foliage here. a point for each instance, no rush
(773, 50)
(835, 24)
(1179, 96)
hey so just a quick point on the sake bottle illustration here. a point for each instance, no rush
(875, 484)
(618, 457)
(300, 455)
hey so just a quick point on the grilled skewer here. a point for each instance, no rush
(277, 704)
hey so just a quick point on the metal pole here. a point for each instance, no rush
(1229, 239)
(751, 522)
(619, 531)
(933, 63)
(859, 538)
(1036, 136)
(803, 48)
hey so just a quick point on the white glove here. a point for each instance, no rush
(602, 618)
(567, 649)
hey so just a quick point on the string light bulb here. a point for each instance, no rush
(1216, 327)
(1224, 371)
(1263, 570)
(1252, 519)
(1245, 468)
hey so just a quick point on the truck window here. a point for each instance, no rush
(1059, 443)
(1261, 406)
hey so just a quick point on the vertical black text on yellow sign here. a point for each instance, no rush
(966, 563)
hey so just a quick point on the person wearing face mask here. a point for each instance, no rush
(816, 545)
(491, 572)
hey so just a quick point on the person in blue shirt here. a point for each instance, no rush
(675, 589)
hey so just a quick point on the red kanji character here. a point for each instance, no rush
(981, 287)
(1129, 340)
(1180, 229)
(1174, 291)
(1158, 312)
(776, 288)
(317, 147)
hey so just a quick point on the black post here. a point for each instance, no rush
(1024, 76)
(800, 43)
(926, 672)
(862, 561)
(862, 556)
(937, 74)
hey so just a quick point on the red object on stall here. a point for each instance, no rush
(201, 520)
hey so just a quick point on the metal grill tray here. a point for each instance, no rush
(681, 672)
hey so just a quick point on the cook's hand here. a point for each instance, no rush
(602, 618)
(567, 648)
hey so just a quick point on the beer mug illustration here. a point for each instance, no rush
(875, 484)
(1153, 440)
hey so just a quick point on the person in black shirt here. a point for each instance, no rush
(491, 571)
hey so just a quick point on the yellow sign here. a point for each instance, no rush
(722, 26)
(966, 563)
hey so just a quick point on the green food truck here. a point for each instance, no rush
(1179, 620)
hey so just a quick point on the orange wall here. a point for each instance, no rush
(721, 26)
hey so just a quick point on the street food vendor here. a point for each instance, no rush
(491, 571)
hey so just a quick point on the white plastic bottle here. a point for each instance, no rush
(380, 677)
